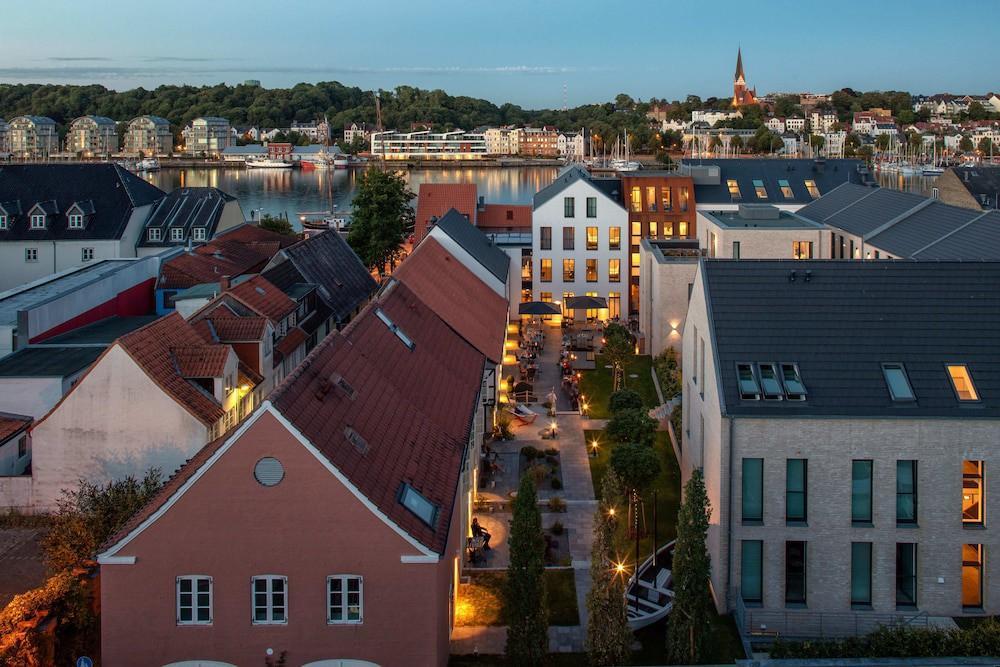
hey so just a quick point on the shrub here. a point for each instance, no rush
(624, 399)
(668, 373)
(530, 453)
(551, 451)
(979, 639)
(557, 504)
(552, 460)
(676, 420)
(556, 484)
(537, 473)
(505, 428)
(632, 426)
(557, 528)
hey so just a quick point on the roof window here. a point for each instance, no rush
(759, 189)
(415, 501)
(355, 439)
(749, 389)
(897, 382)
(811, 187)
(795, 389)
(961, 381)
(786, 188)
(394, 328)
(734, 189)
(769, 381)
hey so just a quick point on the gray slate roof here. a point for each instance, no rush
(849, 318)
(983, 183)
(186, 208)
(474, 242)
(610, 187)
(827, 174)
(977, 240)
(58, 362)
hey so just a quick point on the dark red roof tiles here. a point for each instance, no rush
(436, 199)
(11, 424)
(290, 342)
(234, 329)
(244, 249)
(504, 217)
(264, 298)
(201, 361)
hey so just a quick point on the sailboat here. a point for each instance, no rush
(620, 159)
(934, 168)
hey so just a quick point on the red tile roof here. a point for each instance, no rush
(435, 199)
(253, 234)
(244, 249)
(232, 329)
(153, 349)
(11, 425)
(263, 297)
(289, 343)
(457, 296)
(201, 361)
(504, 217)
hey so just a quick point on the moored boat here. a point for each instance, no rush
(268, 163)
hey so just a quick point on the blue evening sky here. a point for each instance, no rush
(522, 51)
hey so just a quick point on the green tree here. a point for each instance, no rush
(637, 465)
(278, 225)
(524, 592)
(817, 141)
(692, 568)
(985, 145)
(381, 216)
(87, 516)
(632, 425)
(882, 141)
(608, 634)
(977, 111)
(787, 105)
(624, 399)
(965, 144)
(618, 348)
(612, 490)
(357, 145)
(736, 143)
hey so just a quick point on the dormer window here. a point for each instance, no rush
(177, 234)
(3, 222)
(198, 233)
(75, 221)
(38, 221)
(155, 234)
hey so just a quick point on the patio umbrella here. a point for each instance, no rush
(538, 308)
(586, 302)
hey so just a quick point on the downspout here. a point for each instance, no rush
(729, 517)
(53, 257)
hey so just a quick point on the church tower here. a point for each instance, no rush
(742, 96)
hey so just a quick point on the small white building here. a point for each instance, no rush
(822, 121)
(713, 116)
(775, 124)
(795, 124)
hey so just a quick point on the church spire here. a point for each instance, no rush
(739, 64)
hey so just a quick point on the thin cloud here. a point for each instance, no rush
(74, 59)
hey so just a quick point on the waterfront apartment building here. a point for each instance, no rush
(209, 135)
(32, 137)
(4, 137)
(538, 142)
(573, 145)
(502, 140)
(92, 136)
(149, 135)
(845, 415)
(427, 145)
(579, 242)
(354, 130)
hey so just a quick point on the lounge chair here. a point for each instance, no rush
(523, 414)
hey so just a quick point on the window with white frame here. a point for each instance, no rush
(194, 600)
(86, 254)
(177, 234)
(198, 233)
(38, 221)
(31, 254)
(155, 234)
(270, 599)
(75, 221)
(344, 599)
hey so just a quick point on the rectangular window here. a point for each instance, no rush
(651, 199)
(753, 491)
(861, 574)
(76, 221)
(752, 571)
(759, 189)
(569, 270)
(591, 270)
(906, 574)
(591, 238)
(545, 272)
(961, 381)
(897, 382)
(786, 189)
(795, 573)
(682, 226)
(972, 576)
(861, 491)
(906, 492)
(198, 233)
(749, 388)
(155, 234)
(636, 199)
(569, 238)
(972, 493)
(545, 297)
(544, 238)
(614, 270)
(569, 207)
(31, 254)
(811, 187)
(684, 207)
(591, 207)
(344, 603)
(270, 600)
(86, 254)
(194, 600)
(734, 189)
(701, 365)
(3, 222)
(177, 234)
(769, 382)
(22, 447)
(38, 221)
(653, 226)
(736, 249)
(802, 249)
(668, 230)
(796, 489)
(667, 204)
(614, 238)
(795, 389)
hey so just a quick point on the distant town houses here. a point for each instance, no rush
(30, 137)
(354, 131)
(425, 144)
(149, 136)
(92, 136)
(208, 135)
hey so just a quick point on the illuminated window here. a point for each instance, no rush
(786, 189)
(668, 230)
(667, 204)
(614, 304)
(961, 381)
(614, 270)
(651, 198)
(653, 227)
(802, 249)
(591, 270)
(759, 189)
(637, 199)
(545, 297)
(545, 238)
(682, 229)
(614, 238)
(972, 492)
(591, 238)
(546, 271)
(811, 187)
(569, 270)
(972, 576)
(897, 382)
(734, 189)
(684, 198)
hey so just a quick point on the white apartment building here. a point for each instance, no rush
(795, 124)
(572, 145)
(713, 116)
(846, 428)
(355, 130)
(92, 136)
(502, 140)
(760, 231)
(208, 134)
(32, 137)
(424, 144)
(580, 242)
(776, 124)
(149, 135)
(822, 121)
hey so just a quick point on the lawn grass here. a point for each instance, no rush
(480, 602)
(723, 645)
(668, 495)
(595, 385)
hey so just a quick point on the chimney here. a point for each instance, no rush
(482, 202)
(224, 283)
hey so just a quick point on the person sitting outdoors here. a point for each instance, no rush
(479, 531)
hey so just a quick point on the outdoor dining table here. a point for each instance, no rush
(475, 547)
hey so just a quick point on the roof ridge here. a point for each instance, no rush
(954, 231)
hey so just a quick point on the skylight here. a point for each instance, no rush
(355, 439)
(734, 189)
(749, 389)
(394, 328)
(961, 380)
(811, 187)
(415, 501)
(769, 382)
(795, 389)
(759, 189)
(786, 188)
(897, 382)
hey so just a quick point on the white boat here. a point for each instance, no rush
(148, 164)
(625, 165)
(931, 170)
(341, 161)
(267, 163)
(649, 594)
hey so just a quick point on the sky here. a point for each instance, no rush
(537, 53)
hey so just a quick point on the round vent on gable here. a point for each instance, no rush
(268, 471)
